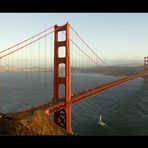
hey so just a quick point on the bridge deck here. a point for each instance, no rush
(55, 105)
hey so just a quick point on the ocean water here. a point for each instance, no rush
(124, 108)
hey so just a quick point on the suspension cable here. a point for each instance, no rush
(94, 52)
(29, 43)
(90, 57)
(26, 40)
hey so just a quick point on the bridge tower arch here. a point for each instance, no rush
(62, 117)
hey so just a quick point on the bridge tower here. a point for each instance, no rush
(146, 63)
(62, 117)
(146, 67)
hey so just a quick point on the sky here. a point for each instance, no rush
(116, 37)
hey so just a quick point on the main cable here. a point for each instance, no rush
(94, 52)
(26, 40)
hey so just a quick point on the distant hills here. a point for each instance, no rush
(122, 68)
(129, 65)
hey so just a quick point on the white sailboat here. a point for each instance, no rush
(100, 122)
(1, 115)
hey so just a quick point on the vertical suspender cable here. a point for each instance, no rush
(45, 73)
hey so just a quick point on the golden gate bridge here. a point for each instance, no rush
(61, 51)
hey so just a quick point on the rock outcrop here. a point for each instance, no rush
(29, 123)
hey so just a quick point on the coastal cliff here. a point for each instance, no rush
(29, 123)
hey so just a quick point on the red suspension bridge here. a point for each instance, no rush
(66, 55)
